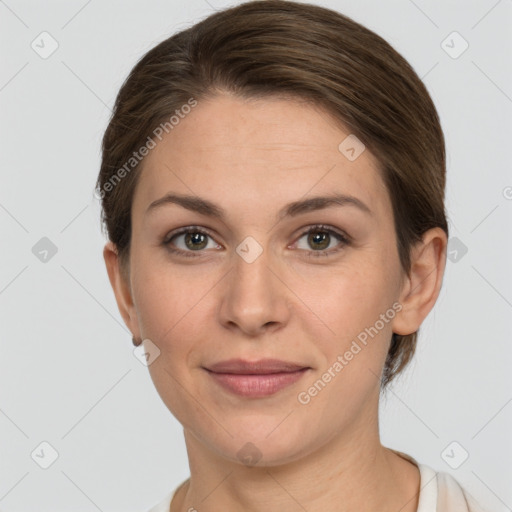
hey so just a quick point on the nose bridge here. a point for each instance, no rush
(251, 270)
(254, 296)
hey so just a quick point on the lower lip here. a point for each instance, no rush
(257, 386)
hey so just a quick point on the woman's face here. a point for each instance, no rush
(250, 283)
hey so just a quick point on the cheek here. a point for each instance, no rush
(349, 301)
(167, 305)
(172, 303)
(158, 296)
(347, 297)
(351, 357)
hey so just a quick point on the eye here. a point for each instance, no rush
(319, 239)
(189, 240)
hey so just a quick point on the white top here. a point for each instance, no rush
(439, 492)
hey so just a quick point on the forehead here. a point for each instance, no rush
(266, 149)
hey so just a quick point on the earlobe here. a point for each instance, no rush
(421, 288)
(121, 288)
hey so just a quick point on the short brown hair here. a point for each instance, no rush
(278, 47)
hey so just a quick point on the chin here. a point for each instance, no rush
(263, 441)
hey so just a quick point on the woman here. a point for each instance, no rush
(272, 186)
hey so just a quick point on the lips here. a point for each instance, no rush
(261, 367)
(256, 379)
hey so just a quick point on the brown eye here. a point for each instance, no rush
(196, 241)
(189, 240)
(319, 239)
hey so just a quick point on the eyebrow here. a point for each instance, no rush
(205, 207)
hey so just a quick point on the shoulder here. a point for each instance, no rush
(440, 492)
(165, 504)
(452, 496)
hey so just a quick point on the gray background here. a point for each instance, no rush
(67, 372)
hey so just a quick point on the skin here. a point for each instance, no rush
(252, 158)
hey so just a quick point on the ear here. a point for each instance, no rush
(421, 288)
(121, 287)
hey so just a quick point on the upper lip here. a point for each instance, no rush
(260, 367)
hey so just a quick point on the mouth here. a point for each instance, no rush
(256, 379)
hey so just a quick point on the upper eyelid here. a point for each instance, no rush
(186, 229)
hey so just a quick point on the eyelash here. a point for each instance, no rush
(344, 240)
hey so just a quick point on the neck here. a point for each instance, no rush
(351, 471)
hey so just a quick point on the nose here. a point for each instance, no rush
(255, 298)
